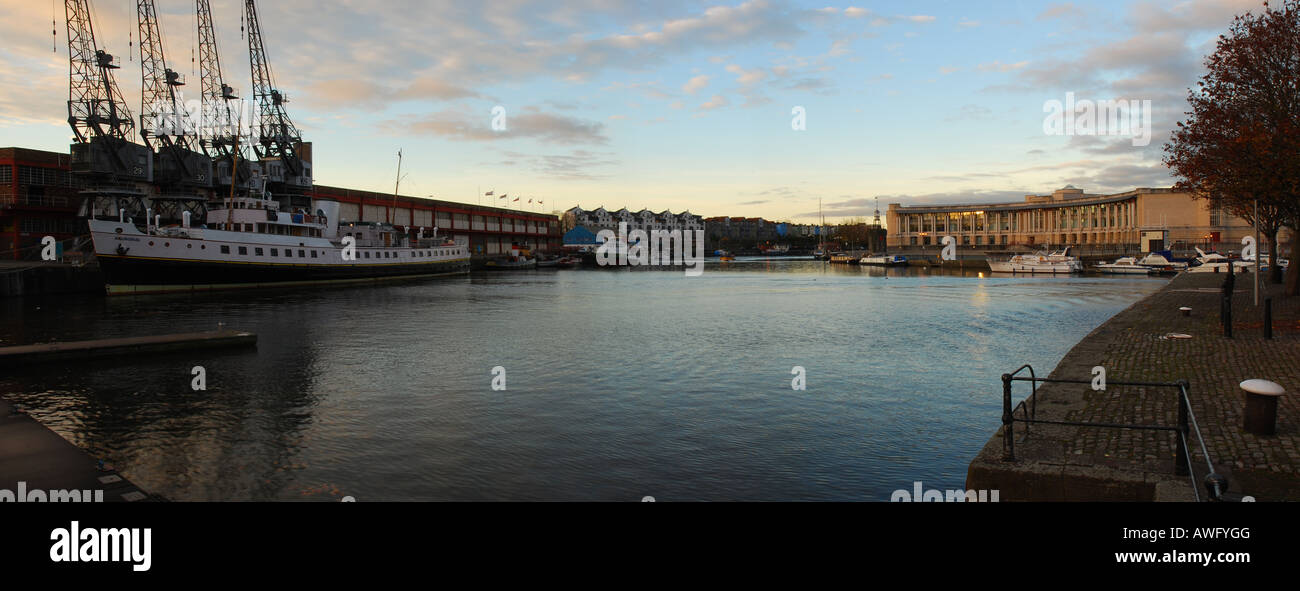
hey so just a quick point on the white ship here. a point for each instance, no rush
(249, 243)
(1039, 262)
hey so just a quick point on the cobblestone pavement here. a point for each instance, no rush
(1080, 463)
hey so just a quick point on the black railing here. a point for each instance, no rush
(1215, 484)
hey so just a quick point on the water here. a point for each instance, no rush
(620, 384)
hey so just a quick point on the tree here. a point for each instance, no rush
(1240, 144)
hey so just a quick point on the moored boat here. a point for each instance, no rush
(248, 242)
(884, 260)
(1123, 266)
(1059, 262)
(1214, 262)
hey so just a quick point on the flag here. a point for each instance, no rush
(516, 199)
(539, 202)
(503, 196)
(530, 200)
(489, 193)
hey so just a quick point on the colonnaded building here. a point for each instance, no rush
(1141, 220)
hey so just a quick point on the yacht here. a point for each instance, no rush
(1160, 264)
(1216, 263)
(1039, 262)
(1123, 266)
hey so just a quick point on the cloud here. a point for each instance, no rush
(748, 77)
(461, 124)
(695, 84)
(1061, 11)
(997, 66)
(718, 101)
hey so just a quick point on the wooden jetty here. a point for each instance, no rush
(100, 348)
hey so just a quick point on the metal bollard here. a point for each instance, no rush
(1260, 414)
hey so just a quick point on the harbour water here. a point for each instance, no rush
(619, 384)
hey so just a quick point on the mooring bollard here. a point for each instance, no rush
(1261, 406)
(1268, 318)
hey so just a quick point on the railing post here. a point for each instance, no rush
(1268, 318)
(1227, 316)
(1180, 447)
(1008, 421)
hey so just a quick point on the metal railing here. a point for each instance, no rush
(1215, 484)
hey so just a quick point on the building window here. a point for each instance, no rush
(302, 254)
(243, 250)
(225, 249)
(288, 253)
(367, 254)
(313, 254)
(257, 251)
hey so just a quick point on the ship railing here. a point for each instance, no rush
(1025, 412)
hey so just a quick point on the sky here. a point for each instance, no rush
(756, 108)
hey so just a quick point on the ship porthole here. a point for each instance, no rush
(150, 243)
(167, 244)
(203, 247)
(189, 246)
(118, 230)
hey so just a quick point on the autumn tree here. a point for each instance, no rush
(1239, 147)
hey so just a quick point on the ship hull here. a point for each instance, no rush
(191, 259)
(135, 275)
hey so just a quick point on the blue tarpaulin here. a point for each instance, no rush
(579, 236)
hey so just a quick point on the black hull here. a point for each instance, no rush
(142, 275)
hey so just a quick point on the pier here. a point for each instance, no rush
(101, 348)
(37, 465)
(1067, 463)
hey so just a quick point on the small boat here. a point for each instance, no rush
(1039, 262)
(884, 260)
(844, 258)
(511, 263)
(519, 258)
(820, 255)
(777, 250)
(1216, 263)
(1123, 266)
(724, 255)
(1161, 265)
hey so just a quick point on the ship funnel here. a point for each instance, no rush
(329, 209)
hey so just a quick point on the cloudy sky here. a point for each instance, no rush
(676, 104)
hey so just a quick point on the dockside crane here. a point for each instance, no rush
(100, 119)
(164, 120)
(219, 125)
(279, 144)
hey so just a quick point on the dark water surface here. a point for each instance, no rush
(620, 384)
